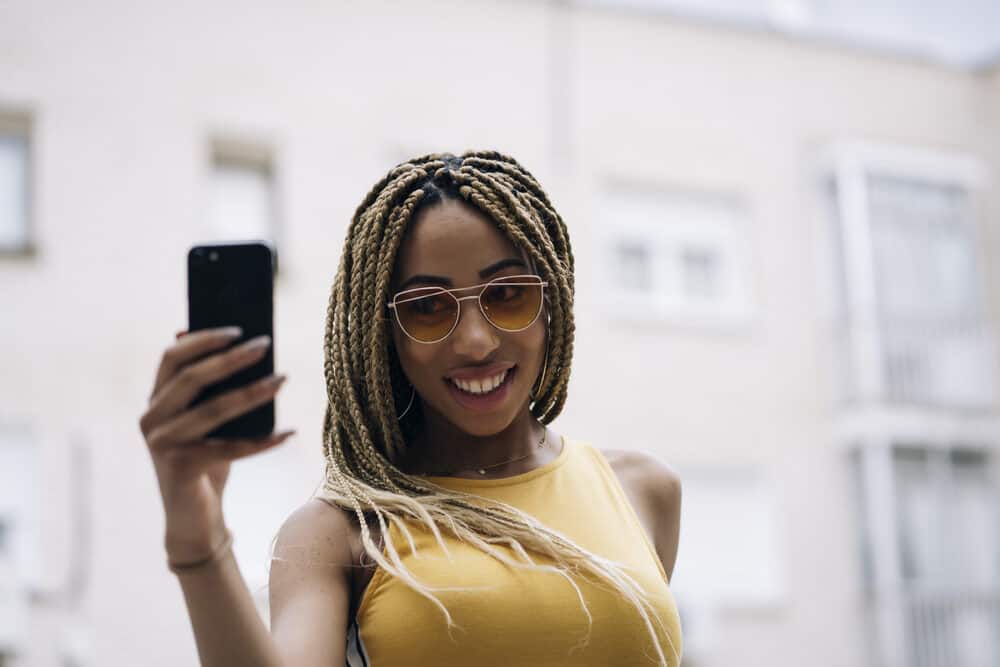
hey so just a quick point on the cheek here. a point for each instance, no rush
(415, 358)
(405, 353)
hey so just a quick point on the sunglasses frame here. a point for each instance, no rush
(458, 300)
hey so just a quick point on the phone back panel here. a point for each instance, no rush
(233, 284)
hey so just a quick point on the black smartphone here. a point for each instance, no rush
(233, 285)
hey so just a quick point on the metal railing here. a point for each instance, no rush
(936, 629)
(918, 360)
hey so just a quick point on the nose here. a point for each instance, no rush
(473, 336)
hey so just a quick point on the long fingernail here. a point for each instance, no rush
(231, 332)
(258, 342)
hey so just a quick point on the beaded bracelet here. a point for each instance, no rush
(181, 568)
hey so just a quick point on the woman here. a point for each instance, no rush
(453, 526)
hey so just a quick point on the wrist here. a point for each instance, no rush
(186, 541)
(187, 561)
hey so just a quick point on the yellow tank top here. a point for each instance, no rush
(525, 618)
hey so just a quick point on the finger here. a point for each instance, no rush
(192, 346)
(179, 334)
(184, 386)
(211, 450)
(193, 424)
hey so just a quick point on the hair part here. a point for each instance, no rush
(367, 389)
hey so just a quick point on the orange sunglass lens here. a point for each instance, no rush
(428, 314)
(512, 304)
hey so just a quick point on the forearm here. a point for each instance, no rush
(228, 630)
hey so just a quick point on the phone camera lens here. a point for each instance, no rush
(213, 256)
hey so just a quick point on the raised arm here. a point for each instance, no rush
(191, 471)
(310, 586)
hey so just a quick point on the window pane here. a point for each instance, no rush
(936, 342)
(973, 513)
(633, 267)
(241, 203)
(13, 191)
(260, 493)
(949, 522)
(725, 512)
(924, 249)
(20, 557)
(700, 272)
(917, 515)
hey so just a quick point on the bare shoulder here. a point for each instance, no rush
(654, 489)
(316, 529)
(310, 584)
(642, 470)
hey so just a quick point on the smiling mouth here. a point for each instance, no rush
(486, 400)
(506, 376)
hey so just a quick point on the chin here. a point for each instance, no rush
(484, 427)
(480, 425)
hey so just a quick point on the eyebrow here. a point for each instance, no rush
(442, 280)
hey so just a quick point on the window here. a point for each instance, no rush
(914, 329)
(242, 201)
(725, 511)
(949, 525)
(673, 256)
(261, 492)
(927, 283)
(948, 529)
(15, 184)
(931, 514)
(634, 266)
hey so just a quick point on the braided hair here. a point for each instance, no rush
(367, 389)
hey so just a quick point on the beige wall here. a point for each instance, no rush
(125, 100)
(731, 112)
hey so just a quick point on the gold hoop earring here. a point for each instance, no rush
(545, 363)
(541, 378)
(412, 394)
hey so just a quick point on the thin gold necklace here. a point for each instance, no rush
(482, 470)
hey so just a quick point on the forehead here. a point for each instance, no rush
(453, 240)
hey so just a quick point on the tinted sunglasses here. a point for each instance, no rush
(430, 314)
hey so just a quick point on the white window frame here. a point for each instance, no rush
(667, 220)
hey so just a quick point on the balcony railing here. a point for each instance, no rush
(932, 361)
(936, 629)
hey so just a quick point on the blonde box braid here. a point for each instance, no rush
(366, 387)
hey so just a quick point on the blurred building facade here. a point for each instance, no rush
(784, 290)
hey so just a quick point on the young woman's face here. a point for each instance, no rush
(455, 242)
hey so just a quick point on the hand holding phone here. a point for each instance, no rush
(194, 396)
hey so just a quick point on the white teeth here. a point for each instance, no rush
(481, 386)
